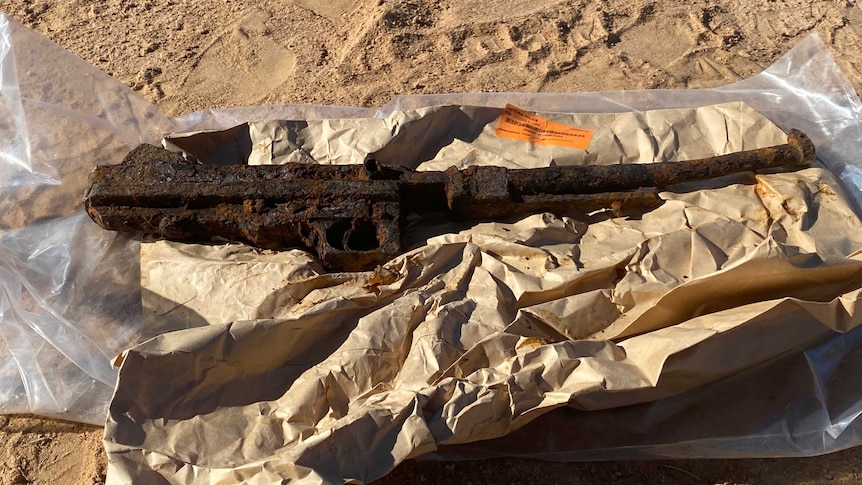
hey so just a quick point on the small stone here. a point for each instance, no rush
(148, 74)
(151, 47)
(95, 10)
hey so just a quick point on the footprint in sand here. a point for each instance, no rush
(485, 10)
(242, 65)
(331, 9)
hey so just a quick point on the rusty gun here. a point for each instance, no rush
(352, 216)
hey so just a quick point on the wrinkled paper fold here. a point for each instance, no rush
(278, 369)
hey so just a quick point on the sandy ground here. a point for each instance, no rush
(190, 55)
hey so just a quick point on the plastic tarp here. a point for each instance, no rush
(71, 295)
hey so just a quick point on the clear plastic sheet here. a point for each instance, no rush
(70, 298)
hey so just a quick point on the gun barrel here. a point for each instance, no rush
(798, 151)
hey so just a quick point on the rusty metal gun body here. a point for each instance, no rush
(353, 215)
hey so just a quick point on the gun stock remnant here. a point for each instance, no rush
(352, 215)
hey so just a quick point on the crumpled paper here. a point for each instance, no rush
(278, 370)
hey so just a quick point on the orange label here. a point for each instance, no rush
(517, 124)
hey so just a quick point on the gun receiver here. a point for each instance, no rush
(352, 215)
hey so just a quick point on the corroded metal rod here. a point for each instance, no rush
(798, 151)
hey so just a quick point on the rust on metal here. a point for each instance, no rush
(352, 215)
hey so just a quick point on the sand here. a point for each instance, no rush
(198, 54)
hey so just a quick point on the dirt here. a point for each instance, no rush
(199, 54)
(42, 450)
